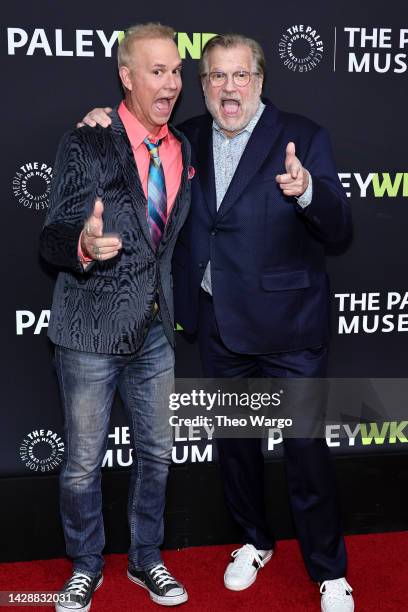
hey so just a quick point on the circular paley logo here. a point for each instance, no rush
(42, 450)
(301, 48)
(31, 185)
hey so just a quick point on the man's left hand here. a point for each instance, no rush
(295, 181)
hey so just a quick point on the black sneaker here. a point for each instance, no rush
(77, 592)
(163, 588)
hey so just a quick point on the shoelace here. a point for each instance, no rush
(246, 555)
(334, 590)
(162, 576)
(78, 584)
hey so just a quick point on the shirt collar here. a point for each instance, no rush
(249, 127)
(135, 130)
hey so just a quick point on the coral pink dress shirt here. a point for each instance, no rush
(170, 156)
(169, 151)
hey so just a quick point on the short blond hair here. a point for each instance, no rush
(139, 32)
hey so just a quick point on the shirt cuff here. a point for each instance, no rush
(306, 198)
(82, 258)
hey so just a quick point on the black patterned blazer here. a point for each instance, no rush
(108, 307)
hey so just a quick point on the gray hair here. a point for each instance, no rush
(227, 41)
(141, 32)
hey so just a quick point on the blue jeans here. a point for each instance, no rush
(87, 383)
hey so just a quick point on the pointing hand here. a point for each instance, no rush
(295, 181)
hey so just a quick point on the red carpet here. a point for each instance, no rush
(378, 574)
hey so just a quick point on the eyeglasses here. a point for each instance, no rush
(240, 78)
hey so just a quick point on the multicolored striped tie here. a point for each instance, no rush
(156, 193)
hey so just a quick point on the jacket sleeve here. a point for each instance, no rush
(73, 193)
(328, 215)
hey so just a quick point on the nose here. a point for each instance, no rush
(173, 81)
(229, 84)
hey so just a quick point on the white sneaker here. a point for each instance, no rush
(336, 596)
(241, 572)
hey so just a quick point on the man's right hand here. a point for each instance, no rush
(94, 244)
(97, 116)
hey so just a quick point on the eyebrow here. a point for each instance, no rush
(157, 65)
(222, 69)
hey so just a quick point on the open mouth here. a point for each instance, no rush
(164, 105)
(230, 107)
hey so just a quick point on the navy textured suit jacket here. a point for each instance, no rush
(107, 308)
(269, 283)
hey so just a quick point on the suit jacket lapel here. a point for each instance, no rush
(259, 146)
(205, 164)
(180, 198)
(130, 173)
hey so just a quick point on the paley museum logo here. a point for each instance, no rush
(31, 185)
(42, 450)
(301, 48)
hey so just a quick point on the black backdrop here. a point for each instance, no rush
(338, 63)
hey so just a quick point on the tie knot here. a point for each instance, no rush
(153, 147)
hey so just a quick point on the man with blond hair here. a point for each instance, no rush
(118, 201)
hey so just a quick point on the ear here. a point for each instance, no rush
(124, 73)
(204, 84)
(260, 80)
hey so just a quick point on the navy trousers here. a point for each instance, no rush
(309, 468)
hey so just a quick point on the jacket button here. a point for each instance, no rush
(214, 232)
(201, 264)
